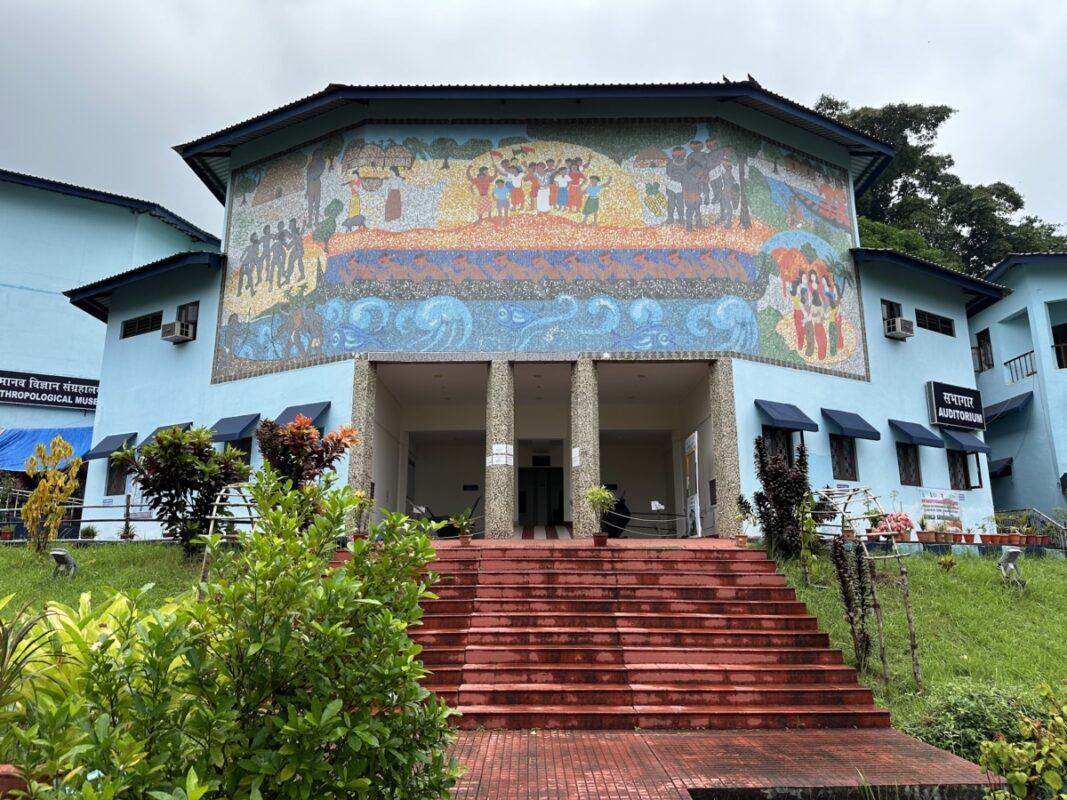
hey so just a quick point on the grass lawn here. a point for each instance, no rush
(969, 625)
(120, 566)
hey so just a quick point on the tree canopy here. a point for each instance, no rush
(920, 206)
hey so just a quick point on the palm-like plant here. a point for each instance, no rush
(24, 650)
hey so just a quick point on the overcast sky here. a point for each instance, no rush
(97, 93)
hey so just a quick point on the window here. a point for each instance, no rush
(779, 442)
(959, 470)
(908, 464)
(891, 310)
(116, 479)
(143, 324)
(189, 312)
(245, 446)
(983, 351)
(1059, 344)
(935, 322)
(843, 458)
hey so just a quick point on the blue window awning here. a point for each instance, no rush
(109, 444)
(914, 433)
(1001, 468)
(311, 410)
(786, 415)
(152, 436)
(968, 442)
(232, 429)
(850, 424)
(18, 444)
(1004, 408)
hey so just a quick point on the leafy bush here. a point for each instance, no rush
(281, 679)
(180, 474)
(962, 714)
(1034, 764)
(777, 505)
(56, 470)
(298, 452)
(600, 500)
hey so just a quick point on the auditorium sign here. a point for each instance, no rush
(52, 391)
(955, 406)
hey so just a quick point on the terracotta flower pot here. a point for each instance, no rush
(600, 540)
(1014, 538)
(927, 537)
(968, 538)
(1043, 540)
(1031, 538)
(465, 539)
(944, 537)
(957, 538)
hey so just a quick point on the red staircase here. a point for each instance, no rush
(653, 637)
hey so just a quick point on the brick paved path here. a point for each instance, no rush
(594, 765)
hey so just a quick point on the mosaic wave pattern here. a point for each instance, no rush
(546, 236)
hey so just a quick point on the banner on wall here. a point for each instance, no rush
(941, 508)
(692, 484)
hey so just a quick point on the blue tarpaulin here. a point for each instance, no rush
(18, 444)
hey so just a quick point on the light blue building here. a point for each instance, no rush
(1020, 357)
(514, 293)
(56, 235)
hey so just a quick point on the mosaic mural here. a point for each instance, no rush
(540, 237)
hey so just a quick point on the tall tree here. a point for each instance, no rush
(973, 226)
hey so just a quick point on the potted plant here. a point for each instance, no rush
(128, 532)
(1014, 536)
(360, 514)
(464, 526)
(968, 537)
(7, 533)
(86, 534)
(957, 537)
(601, 500)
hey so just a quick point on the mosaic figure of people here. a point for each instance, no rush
(591, 209)
(393, 201)
(481, 187)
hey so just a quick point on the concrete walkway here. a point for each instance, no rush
(592, 765)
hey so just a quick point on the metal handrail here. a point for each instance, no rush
(1022, 366)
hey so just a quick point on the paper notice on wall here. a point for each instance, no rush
(510, 449)
(500, 449)
(576, 456)
(693, 525)
(941, 508)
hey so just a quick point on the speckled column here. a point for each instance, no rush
(500, 452)
(360, 458)
(585, 443)
(727, 467)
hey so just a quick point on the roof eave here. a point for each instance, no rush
(222, 142)
(89, 298)
(976, 287)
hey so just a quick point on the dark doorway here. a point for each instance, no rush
(540, 496)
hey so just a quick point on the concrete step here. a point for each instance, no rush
(543, 655)
(556, 717)
(687, 621)
(636, 637)
(680, 578)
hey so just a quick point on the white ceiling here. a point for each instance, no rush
(448, 383)
(659, 382)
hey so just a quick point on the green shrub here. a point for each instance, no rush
(1035, 764)
(280, 679)
(962, 714)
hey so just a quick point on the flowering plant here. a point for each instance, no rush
(893, 522)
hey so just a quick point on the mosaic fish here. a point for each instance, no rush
(650, 337)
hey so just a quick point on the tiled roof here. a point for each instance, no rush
(144, 206)
(208, 156)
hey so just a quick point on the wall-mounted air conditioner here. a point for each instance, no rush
(178, 332)
(899, 328)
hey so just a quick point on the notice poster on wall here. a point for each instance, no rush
(691, 482)
(941, 508)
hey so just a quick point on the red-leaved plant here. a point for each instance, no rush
(298, 452)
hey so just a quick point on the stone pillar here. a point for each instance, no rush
(500, 466)
(360, 457)
(727, 469)
(585, 443)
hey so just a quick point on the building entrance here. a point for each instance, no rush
(540, 496)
